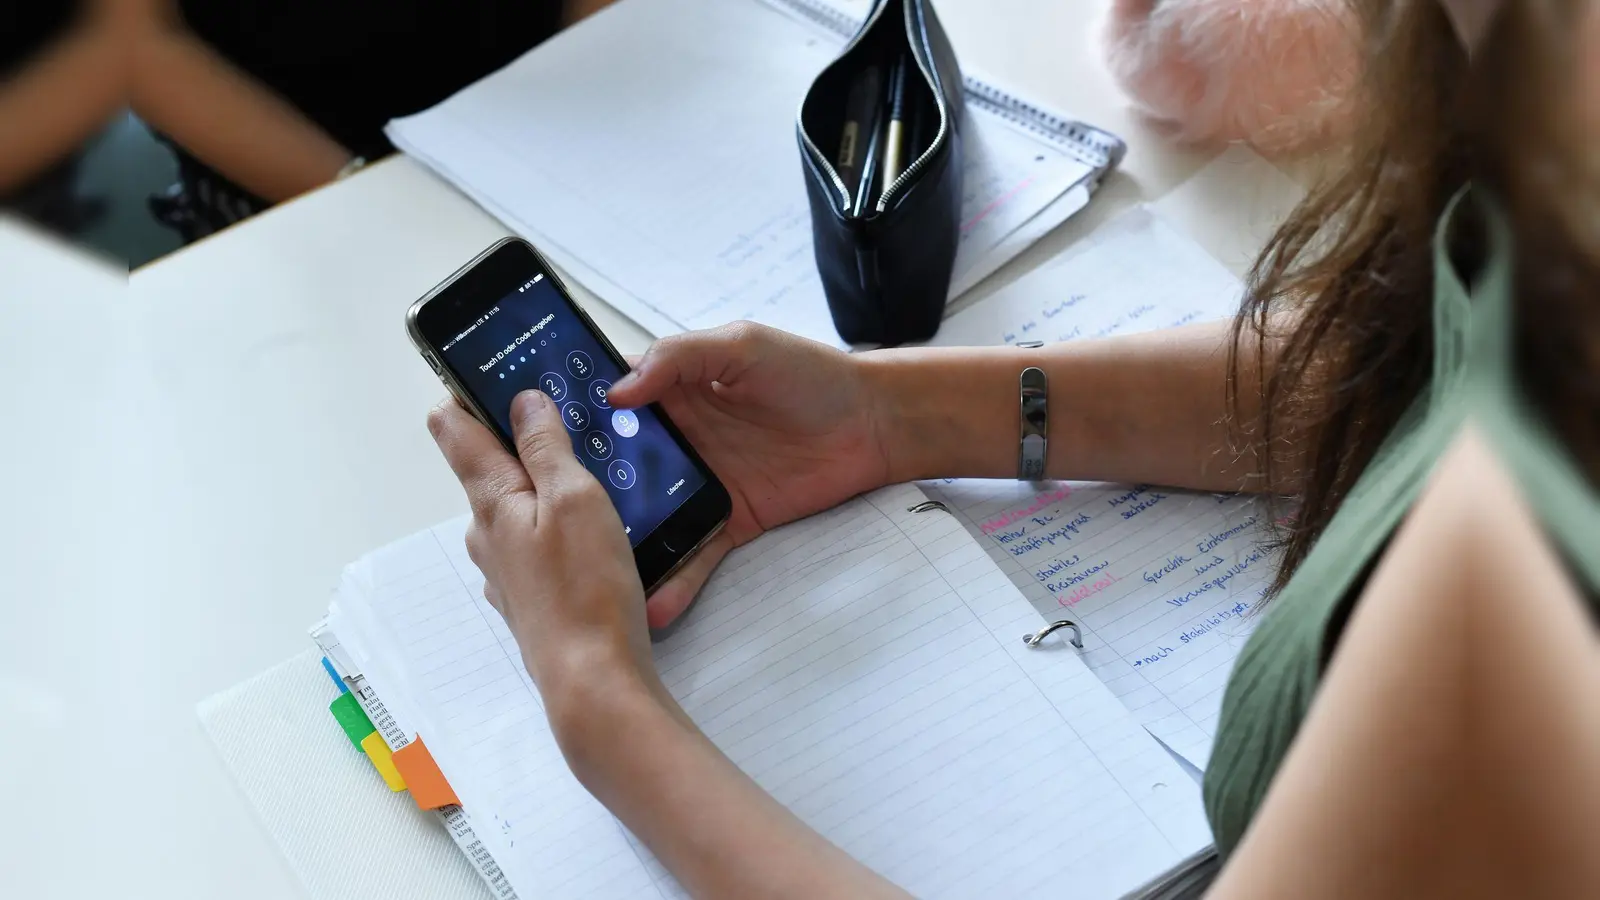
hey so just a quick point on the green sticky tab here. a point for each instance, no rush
(352, 718)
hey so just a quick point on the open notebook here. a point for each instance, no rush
(650, 151)
(1164, 581)
(864, 665)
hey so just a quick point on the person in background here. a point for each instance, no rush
(1417, 362)
(61, 80)
(262, 101)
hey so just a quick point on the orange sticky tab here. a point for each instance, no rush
(383, 761)
(423, 777)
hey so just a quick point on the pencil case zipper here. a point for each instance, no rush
(919, 52)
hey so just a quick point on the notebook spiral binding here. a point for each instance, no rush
(1089, 145)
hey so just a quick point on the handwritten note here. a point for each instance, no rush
(1134, 273)
(1161, 581)
(865, 666)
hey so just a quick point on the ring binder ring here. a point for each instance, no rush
(926, 505)
(1032, 640)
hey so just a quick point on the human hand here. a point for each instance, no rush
(555, 559)
(790, 426)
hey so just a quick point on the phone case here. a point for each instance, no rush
(886, 266)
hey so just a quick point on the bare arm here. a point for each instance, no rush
(62, 97)
(576, 10)
(558, 567)
(1142, 408)
(225, 118)
(1454, 747)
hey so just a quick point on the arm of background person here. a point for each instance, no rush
(1142, 408)
(183, 88)
(574, 10)
(62, 97)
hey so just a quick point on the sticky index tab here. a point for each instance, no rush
(334, 674)
(352, 718)
(428, 786)
(383, 761)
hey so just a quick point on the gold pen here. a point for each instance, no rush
(894, 134)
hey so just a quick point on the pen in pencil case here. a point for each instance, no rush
(860, 111)
(894, 129)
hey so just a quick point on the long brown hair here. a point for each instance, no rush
(1335, 340)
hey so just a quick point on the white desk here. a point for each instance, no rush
(189, 462)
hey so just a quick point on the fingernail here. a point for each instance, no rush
(528, 405)
(627, 380)
(436, 418)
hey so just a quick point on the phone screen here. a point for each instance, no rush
(533, 338)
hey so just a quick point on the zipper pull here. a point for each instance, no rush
(867, 270)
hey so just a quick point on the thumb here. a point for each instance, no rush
(670, 600)
(542, 441)
(699, 357)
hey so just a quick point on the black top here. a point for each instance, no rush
(352, 65)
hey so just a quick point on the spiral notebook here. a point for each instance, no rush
(650, 151)
(866, 666)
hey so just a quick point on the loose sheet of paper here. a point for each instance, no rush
(1162, 581)
(651, 152)
(864, 665)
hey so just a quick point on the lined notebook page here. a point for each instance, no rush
(1163, 581)
(705, 221)
(1134, 273)
(865, 666)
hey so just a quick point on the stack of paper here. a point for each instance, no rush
(865, 666)
(651, 152)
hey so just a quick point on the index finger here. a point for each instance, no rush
(698, 357)
(487, 472)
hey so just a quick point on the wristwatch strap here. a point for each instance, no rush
(1033, 444)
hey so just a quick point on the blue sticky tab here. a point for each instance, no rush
(334, 674)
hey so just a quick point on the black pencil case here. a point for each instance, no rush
(886, 263)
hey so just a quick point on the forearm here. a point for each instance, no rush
(576, 10)
(60, 99)
(1142, 408)
(226, 119)
(716, 830)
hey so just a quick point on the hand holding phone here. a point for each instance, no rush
(504, 324)
(555, 560)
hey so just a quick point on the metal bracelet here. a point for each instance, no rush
(1033, 443)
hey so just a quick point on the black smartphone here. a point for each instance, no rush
(504, 324)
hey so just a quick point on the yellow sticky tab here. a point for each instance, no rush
(383, 761)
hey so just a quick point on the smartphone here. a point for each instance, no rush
(503, 324)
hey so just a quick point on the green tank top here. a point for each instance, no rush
(1278, 670)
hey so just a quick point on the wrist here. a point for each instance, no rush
(590, 703)
(901, 417)
(945, 413)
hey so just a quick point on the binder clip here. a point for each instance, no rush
(926, 505)
(1032, 640)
